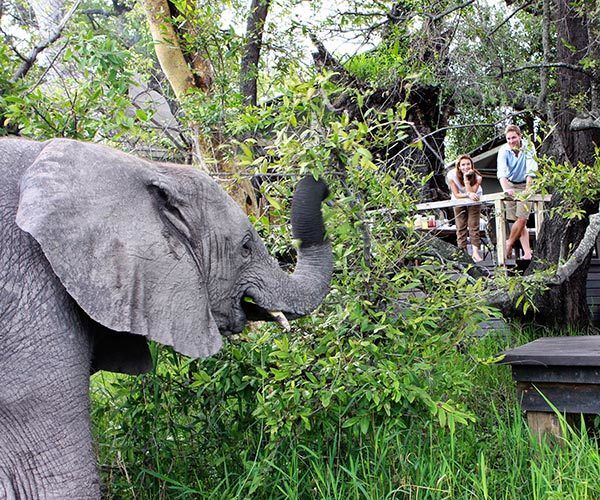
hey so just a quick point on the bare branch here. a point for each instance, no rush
(579, 124)
(8, 40)
(166, 130)
(524, 6)
(31, 58)
(455, 127)
(50, 66)
(450, 10)
(564, 272)
(423, 140)
(572, 67)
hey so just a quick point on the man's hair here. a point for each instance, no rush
(512, 128)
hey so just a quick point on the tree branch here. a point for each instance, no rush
(500, 297)
(579, 124)
(564, 272)
(449, 254)
(251, 52)
(524, 6)
(50, 66)
(31, 58)
(324, 59)
(423, 140)
(450, 10)
(572, 67)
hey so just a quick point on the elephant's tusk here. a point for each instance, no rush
(281, 319)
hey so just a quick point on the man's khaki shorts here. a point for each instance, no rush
(517, 209)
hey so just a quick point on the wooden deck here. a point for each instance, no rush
(498, 201)
(558, 351)
(495, 200)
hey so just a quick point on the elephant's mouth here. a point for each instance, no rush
(255, 312)
(244, 309)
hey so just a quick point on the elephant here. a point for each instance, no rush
(101, 251)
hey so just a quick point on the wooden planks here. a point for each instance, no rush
(557, 351)
(593, 291)
(485, 199)
(566, 398)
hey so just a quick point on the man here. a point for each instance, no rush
(516, 169)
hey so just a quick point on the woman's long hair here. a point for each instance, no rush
(459, 174)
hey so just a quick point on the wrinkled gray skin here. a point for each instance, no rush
(100, 251)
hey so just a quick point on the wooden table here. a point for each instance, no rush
(498, 200)
(566, 370)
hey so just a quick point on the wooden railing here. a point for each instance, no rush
(498, 201)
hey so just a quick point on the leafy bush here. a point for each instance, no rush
(383, 349)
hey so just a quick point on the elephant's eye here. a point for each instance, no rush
(247, 247)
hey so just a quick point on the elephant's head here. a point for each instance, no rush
(161, 251)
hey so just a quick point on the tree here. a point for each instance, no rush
(549, 75)
(186, 64)
(184, 73)
(443, 71)
(251, 52)
(575, 94)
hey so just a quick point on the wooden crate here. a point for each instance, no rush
(561, 373)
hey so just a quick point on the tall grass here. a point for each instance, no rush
(147, 454)
(429, 463)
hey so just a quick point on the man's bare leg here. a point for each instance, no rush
(516, 232)
(524, 239)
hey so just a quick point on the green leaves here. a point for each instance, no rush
(576, 185)
(383, 347)
(88, 100)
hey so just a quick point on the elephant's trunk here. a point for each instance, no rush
(310, 281)
(301, 292)
(307, 220)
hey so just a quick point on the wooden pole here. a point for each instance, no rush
(544, 424)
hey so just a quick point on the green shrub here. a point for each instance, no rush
(384, 350)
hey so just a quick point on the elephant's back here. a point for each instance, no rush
(16, 155)
(20, 255)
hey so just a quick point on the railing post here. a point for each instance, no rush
(500, 231)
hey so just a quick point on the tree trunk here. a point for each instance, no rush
(566, 304)
(186, 72)
(251, 55)
(167, 47)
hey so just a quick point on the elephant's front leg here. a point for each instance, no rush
(45, 439)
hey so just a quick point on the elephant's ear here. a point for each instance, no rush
(99, 216)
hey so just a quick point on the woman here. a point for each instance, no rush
(465, 182)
